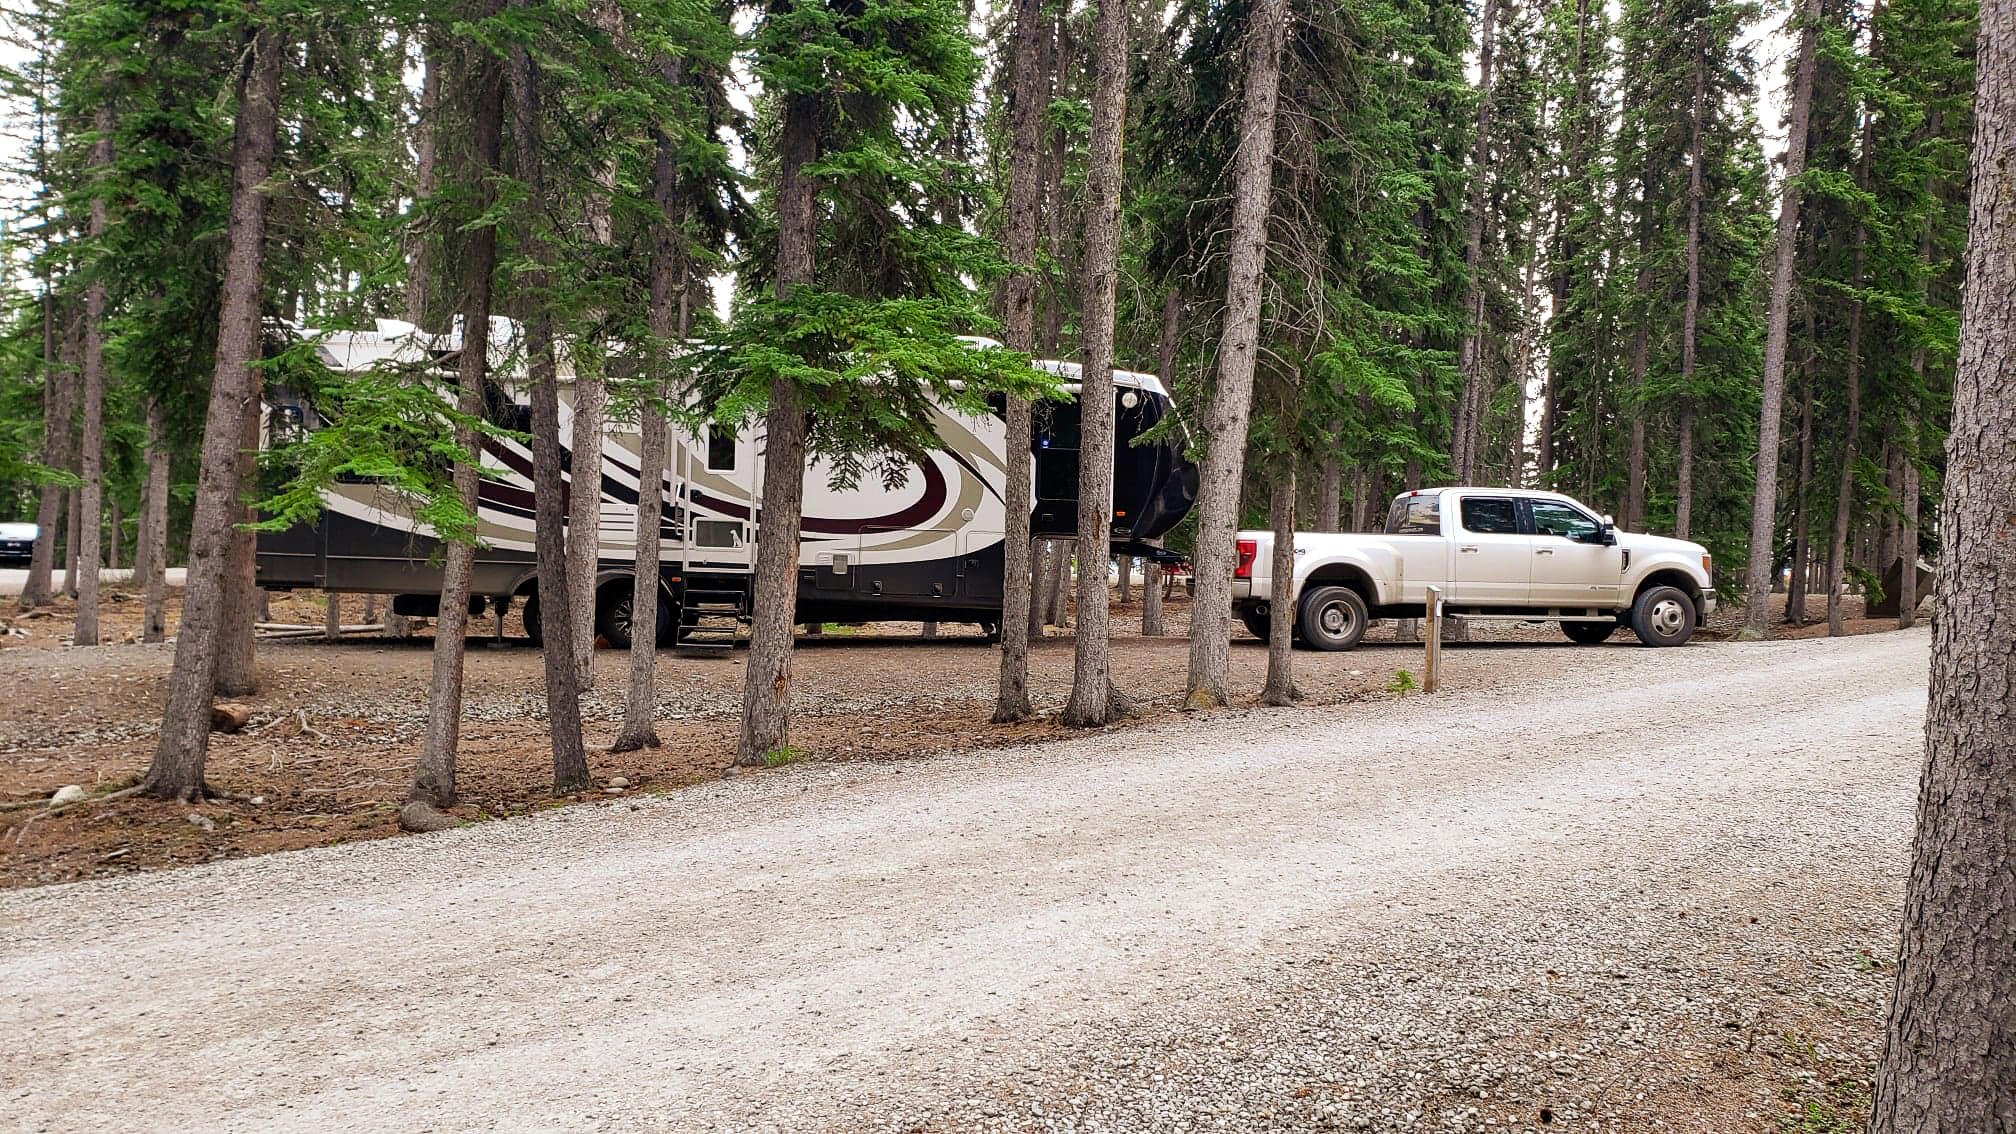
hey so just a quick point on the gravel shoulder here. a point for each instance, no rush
(1628, 890)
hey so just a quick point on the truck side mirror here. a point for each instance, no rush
(1608, 532)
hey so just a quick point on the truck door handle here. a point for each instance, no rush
(1544, 551)
(1467, 550)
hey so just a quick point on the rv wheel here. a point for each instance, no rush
(532, 619)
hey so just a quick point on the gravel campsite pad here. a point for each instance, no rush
(1605, 889)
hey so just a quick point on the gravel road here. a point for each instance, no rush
(1595, 901)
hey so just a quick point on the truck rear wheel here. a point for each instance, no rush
(1589, 633)
(1663, 616)
(1331, 618)
(1256, 622)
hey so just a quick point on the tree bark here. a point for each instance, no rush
(243, 601)
(1040, 556)
(670, 317)
(556, 616)
(1469, 424)
(1907, 579)
(1949, 1056)
(56, 394)
(1844, 484)
(584, 515)
(434, 790)
(1634, 470)
(1690, 319)
(152, 557)
(1232, 398)
(1060, 582)
(1330, 491)
(177, 768)
(1764, 497)
(1018, 596)
(1280, 687)
(766, 688)
(1093, 701)
(91, 436)
(1796, 587)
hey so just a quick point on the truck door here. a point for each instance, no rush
(1571, 569)
(1494, 555)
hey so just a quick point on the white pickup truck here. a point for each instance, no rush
(1500, 554)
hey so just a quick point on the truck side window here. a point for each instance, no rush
(1490, 517)
(1415, 515)
(1557, 519)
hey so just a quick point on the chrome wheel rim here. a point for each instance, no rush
(1668, 618)
(1336, 619)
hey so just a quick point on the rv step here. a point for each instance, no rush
(709, 621)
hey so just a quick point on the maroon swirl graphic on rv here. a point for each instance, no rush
(936, 492)
(925, 507)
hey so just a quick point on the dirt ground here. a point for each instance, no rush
(336, 726)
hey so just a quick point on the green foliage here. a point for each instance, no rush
(385, 426)
(1403, 683)
(785, 754)
(868, 370)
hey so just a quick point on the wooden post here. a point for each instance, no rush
(1431, 675)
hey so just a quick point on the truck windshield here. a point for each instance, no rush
(1415, 515)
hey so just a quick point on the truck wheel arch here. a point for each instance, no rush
(1344, 574)
(1669, 576)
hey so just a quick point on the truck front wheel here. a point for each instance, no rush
(1663, 616)
(1331, 618)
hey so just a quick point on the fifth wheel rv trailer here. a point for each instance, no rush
(929, 548)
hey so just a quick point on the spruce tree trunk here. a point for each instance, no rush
(1025, 121)
(1764, 497)
(177, 768)
(1796, 587)
(1280, 687)
(57, 391)
(766, 688)
(1093, 701)
(152, 557)
(244, 604)
(1634, 472)
(1039, 587)
(434, 789)
(1690, 319)
(1469, 425)
(1151, 598)
(556, 616)
(91, 436)
(1330, 492)
(1844, 485)
(1225, 419)
(1907, 579)
(1060, 581)
(670, 318)
(584, 516)
(1949, 1057)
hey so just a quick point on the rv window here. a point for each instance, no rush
(717, 533)
(720, 452)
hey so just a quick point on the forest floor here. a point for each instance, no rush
(336, 726)
(1595, 890)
